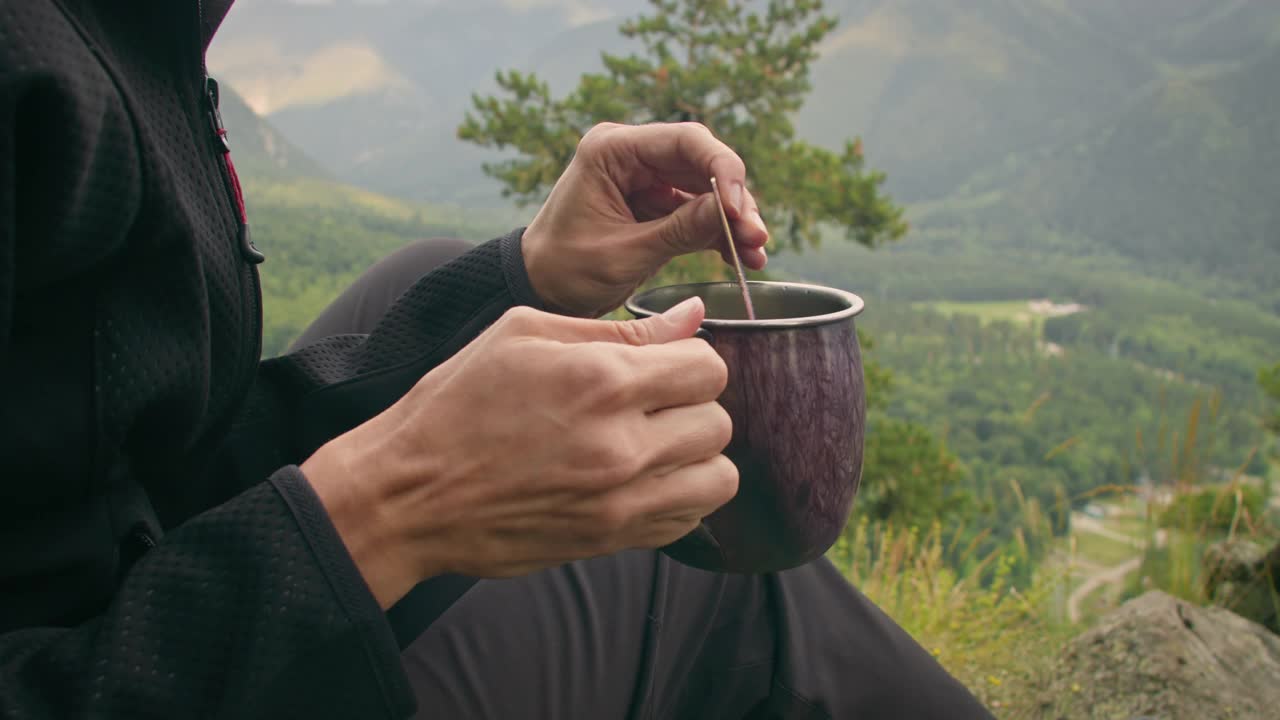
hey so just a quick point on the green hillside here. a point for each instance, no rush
(1182, 181)
(1081, 308)
(1143, 129)
(319, 234)
(262, 153)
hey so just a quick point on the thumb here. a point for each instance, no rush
(678, 323)
(693, 226)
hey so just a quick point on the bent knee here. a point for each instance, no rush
(427, 254)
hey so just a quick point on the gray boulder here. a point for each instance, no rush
(1161, 658)
(1241, 577)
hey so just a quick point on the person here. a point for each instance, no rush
(444, 499)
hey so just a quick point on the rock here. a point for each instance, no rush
(1159, 657)
(1242, 578)
(1232, 559)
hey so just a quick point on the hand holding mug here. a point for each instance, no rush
(546, 440)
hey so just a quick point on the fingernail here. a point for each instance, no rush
(754, 218)
(683, 309)
(735, 196)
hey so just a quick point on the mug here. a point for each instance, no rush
(797, 398)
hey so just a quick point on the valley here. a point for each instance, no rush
(1068, 338)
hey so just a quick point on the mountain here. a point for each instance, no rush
(262, 152)
(319, 233)
(375, 91)
(1145, 128)
(1181, 174)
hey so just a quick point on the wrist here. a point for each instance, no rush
(541, 272)
(353, 504)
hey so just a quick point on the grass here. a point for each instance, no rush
(1136, 527)
(1002, 641)
(994, 639)
(312, 193)
(1101, 601)
(1100, 550)
(1012, 311)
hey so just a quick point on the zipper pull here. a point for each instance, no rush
(247, 249)
(212, 94)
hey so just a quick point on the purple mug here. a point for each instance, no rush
(798, 402)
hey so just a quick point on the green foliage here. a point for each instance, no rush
(1198, 506)
(1214, 509)
(1176, 329)
(1035, 433)
(1269, 378)
(992, 633)
(1101, 549)
(319, 236)
(909, 478)
(743, 74)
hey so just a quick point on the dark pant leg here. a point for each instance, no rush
(365, 301)
(631, 636)
(640, 636)
(840, 656)
(637, 635)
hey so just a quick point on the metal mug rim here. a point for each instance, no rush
(856, 306)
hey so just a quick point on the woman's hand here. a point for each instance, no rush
(633, 198)
(548, 439)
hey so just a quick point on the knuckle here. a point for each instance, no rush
(519, 318)
(728, 159)
(612, 518)
(696, 127)
(600, 378)
(721, 427)
(723, 156)
(718, 369)
(725, 476)
(634, 332)
(594, 136)
(623, 459)
(613, 456)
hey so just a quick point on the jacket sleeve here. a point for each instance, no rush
(249, 610)
(250, 607)
(306, 398)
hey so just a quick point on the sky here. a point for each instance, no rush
(578, 12)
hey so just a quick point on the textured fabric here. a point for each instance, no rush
(148, 568)
(355, 313)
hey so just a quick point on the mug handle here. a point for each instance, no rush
(705, 334)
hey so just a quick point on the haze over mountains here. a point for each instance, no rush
(1149, 128)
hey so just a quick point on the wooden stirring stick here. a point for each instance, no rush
(733, 250)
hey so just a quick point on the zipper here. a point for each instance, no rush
(135, 544)
(143, 538)
(231, 182)
(230, 179)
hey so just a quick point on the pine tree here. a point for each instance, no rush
(741, 73)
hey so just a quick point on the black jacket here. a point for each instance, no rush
(161, 556)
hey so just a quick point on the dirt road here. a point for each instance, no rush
(1107, 576)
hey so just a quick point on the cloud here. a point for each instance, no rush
(578, 12)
